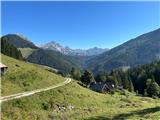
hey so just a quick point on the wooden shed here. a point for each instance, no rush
(3, 68)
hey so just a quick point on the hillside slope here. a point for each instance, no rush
(73, 102)
(22, 76)
(19, 41)
(69, 102)
(53, 59)
(141, 50)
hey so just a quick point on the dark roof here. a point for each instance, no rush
(96, 86)
(102, 86)
(108, 86)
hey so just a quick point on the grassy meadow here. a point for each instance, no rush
(22, 76)
(86, 105)
(69, 102)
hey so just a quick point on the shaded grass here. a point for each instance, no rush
(138, 114)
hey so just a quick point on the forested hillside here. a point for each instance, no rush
(138, 51)
(10, 50)
(143, 80)
(52, 59)
(19, 41)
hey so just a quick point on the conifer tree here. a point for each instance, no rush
(87, 77)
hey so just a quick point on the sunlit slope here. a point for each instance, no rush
(22, 76)
(68, 102)
(26, 51)
(72, 102)
(141, 50)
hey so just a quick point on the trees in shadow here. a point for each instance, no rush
(125, 116)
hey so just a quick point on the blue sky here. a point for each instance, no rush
(80, 24)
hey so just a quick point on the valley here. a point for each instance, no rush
(80, 60)
(72, 101)
(129, 54)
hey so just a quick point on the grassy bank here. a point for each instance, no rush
(22, 76)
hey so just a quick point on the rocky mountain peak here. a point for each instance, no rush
(73, 52)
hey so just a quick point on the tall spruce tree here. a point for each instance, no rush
(153, 88)
(75, 73)
(87, 77)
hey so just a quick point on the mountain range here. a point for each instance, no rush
(138, 51)
(37, 55)
(73, 52)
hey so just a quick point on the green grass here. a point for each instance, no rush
(26, 51)
(22, 76)
(88, 105)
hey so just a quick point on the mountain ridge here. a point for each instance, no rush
(140, 50)
(52, 45)
(19, 41)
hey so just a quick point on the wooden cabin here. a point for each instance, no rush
(3, 68)
(106, 87)
(96, 86)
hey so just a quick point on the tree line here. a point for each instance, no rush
(10, 50)
(144, 80)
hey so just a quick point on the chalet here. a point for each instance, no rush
(3, 68)
(106, 87)
(96, 86)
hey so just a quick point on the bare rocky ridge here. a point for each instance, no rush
(73, 52)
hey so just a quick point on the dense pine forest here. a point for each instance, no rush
(144, 80)
(10, 50)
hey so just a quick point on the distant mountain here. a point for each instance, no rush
(141, 50)
(34, 54)
(73, 52)
(53, 59)
(95, 51)
(19, 41)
